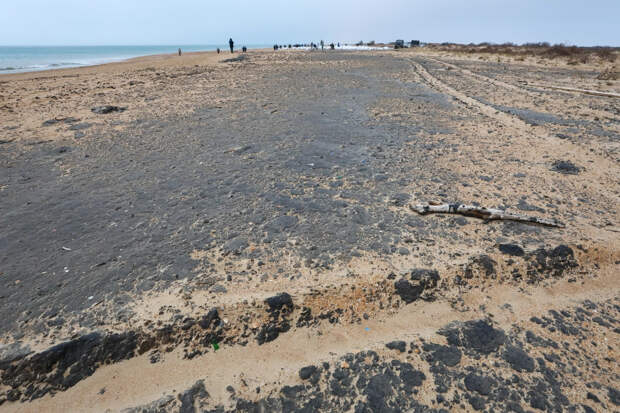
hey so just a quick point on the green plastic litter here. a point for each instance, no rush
(215, 346)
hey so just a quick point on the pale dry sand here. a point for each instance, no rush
(149, 86)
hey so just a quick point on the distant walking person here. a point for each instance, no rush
(179, 51)
(322, 45)
(231, 44)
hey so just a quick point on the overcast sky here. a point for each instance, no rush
(170, 22)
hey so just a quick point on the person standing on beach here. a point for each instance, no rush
(231, 44)
(322, 45)
(179, 51)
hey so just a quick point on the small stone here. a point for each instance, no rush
(518, 359)
(565, 167)
(397, 345)
(407, 291)
(103, 110)
(511, 249)
(306, 372)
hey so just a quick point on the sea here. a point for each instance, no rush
(14, 59)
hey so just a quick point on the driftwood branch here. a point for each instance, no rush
(483, 213)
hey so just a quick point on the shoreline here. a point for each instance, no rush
(158, 56)
(134, 59)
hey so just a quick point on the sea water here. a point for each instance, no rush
(15, 59)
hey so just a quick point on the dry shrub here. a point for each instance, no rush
(572, 54)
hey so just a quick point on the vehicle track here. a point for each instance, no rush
(487, 110)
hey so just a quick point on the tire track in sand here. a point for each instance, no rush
(487, 110)
(494, 82)
(510, 86)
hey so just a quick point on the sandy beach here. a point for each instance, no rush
(236, 233)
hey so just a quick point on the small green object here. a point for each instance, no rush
(216, 346)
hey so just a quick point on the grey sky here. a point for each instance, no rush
(120, 22)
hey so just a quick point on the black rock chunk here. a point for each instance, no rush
(51, 122)
(588, 409)
(378, 390)
(397, 345)
(306, 372)
(538, 400)
(271, 331)
(480, 384)
(428, 278)
(483, 265)
(448, 355)
(407, 291)
(290, 392)
(518, 359)
(511, 249)
(211, 319)
(410, 376)
(538, 341)
(614, 395)
(553, 262)
(188, 397)
(565, 167)
(280, 301)
(104, 110)
(477, 403)
(476, 335)
(64, 365)
(305, 317)
(600, 321)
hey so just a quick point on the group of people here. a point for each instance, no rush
(313, 46)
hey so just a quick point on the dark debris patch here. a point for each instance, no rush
(436, 353)
(279, 308)
(397, 345)
(565, 167)
(421, 284)
(518, 359)
(502, 374)
(31, 376)
(540, 264)
(511, 249)
(550, 262)
(106, 109)
(477, 336)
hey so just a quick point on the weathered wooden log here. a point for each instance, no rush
(482, 213)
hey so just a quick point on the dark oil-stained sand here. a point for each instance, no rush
(263, 205)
